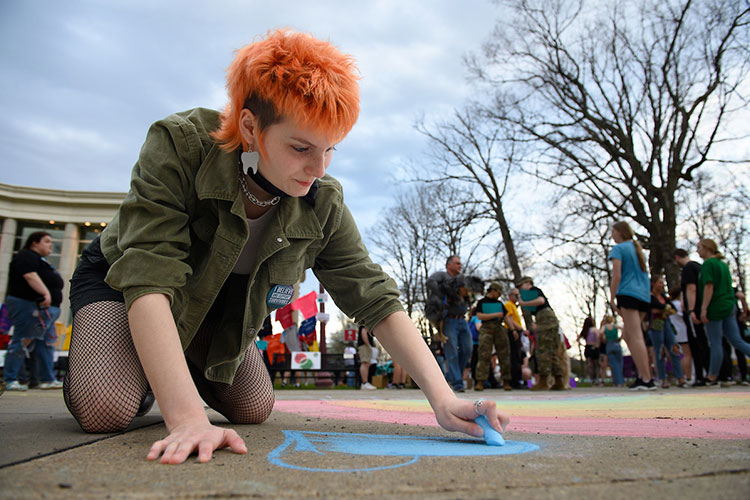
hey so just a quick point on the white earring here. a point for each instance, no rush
(249, 161)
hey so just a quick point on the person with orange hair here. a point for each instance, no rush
(224, 214)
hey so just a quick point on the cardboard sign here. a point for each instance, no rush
(302, 360)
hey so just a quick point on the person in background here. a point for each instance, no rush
(513, 323)
(491, 311)
(450, 286)
(365, 346)
(718, 306)
(399, 377)
(660, 330)
(591, 336)
(547, 335)
(33, 301)
(681, 333)
(691, 301)
(474, 326)
(631, 298)
(614, 349)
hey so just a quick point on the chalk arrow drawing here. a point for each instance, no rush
(411, 447)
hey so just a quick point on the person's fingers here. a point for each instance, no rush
(156, 449)
(234, 441)
(182, 452)
(205, 451)
(166, 456)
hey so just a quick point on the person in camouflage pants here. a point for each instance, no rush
(547, 334)
(490, 311)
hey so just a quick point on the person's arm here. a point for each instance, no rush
(365, 337)
(160, 353)
(615, 283)
(401, 339)
(539, 301)
(485, 316)
(36, 284)
(691, 292)
(708, 293)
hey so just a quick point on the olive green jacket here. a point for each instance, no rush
(182, 226)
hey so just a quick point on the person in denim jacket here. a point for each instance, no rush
(225, 213)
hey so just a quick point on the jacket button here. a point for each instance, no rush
(279, 240)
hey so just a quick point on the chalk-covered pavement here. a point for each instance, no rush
(585, 443)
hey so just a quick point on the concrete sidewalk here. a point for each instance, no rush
(585, 443)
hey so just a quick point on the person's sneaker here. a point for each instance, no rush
(479, 386)
(744, 382)
(16, 386)
(459, 389)
(698, 383)
(640, 385)
(369, 386)
(55, 384)
(507, 386)
(726, 383)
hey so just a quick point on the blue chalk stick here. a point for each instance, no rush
(491, 436)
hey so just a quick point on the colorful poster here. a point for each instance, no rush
(305, 360)
(306, 305)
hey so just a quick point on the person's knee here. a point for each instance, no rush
(257, 413)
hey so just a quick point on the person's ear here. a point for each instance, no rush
(249, 127)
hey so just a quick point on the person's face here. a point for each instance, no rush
(454, 267)
(659, 286)
(702, 251)
(617, 236)
(295, 156)
(514, 296)
(526, 285)
(493, 294)
(43, 247)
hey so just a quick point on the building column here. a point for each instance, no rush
(7, 239)
(68, 259)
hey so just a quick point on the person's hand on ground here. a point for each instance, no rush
(459, 415)
(190, 437)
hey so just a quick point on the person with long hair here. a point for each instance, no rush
(225, 213)
(719, 306)
(631, 298)
(591, 337)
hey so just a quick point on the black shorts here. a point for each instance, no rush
(87, 284)
(591, 352)
(627, 302)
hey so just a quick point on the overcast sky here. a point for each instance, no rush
(81, 81)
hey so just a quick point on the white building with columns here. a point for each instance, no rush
(72, 218)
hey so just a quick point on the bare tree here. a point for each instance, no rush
(714, 212)
(625, 101)
(428, 223)
(470, 152)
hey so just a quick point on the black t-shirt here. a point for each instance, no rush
(689, 276)
(370, 338)
(28, 261)
(489, 306)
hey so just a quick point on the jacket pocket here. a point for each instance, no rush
(286, 271)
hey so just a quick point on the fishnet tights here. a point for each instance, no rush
(106, 383)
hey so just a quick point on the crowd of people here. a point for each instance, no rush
(683, 338)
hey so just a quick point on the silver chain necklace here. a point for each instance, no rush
(253, 199)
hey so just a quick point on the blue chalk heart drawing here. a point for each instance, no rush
(412, 447)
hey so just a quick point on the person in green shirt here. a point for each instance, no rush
(225, 213)
(718, 307)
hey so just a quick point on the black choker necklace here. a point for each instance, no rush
(269, 188)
